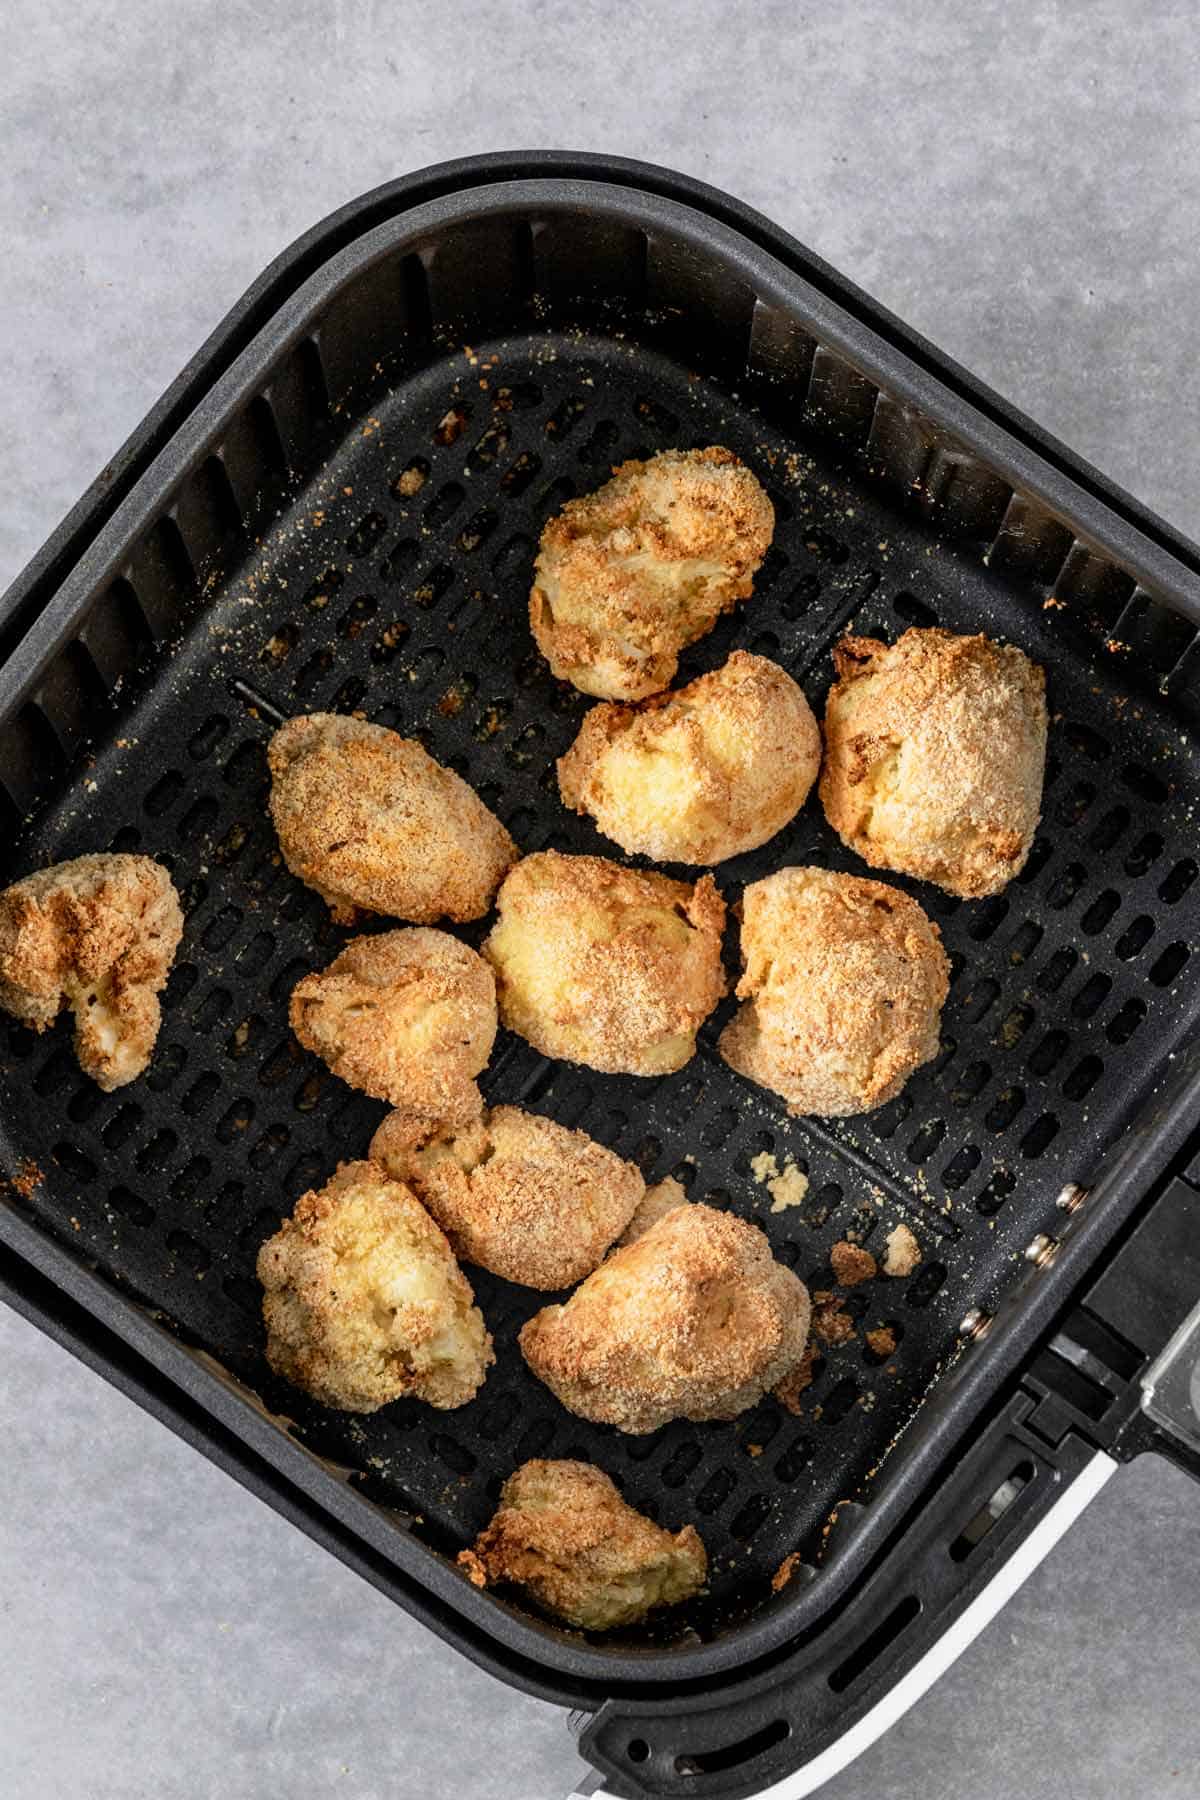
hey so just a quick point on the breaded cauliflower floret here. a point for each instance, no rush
(517, 1194)
(372, 822)
(658, 1200)
(563, 1532)
(616, 968)
(693, 1320)
(702, 774)
(935, 750)
(97, 934)
(844, 983)
(408, 1016)
(364, 1302)
(628, 576)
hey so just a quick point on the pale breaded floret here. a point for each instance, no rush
(658, 1200)
(364, 1302)
(628, 576)
(935, 750)
(98, 935)
(563, 1532)
(844, 983)
(616, 968)
(702, 774)
(372, 822)
(517, 1194)
(408, 1016)
(693, 1320)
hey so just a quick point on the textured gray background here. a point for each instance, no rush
(1021, 183)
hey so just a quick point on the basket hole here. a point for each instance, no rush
(1087, 742)
(74, 1162)
(203, 742)
(717, 1130)
(1135, 937)
(659, 418)
(800, 599)
(1057, 970)
(1000, 1186)
(927, 1140)
(318, 595)
(876, 1358)
(1024, 941)
(902, 1615)
(535, 1440)
(1110, 829)
(1145, 852)
(357, 616)
(1066, 885)
(477, 530)
(84, 1102)
(961, 1167)
(991, 1512)
(314, 671)
(1083, 1077)
(1040, 1136)
(716, 1491)
(1004, 1109)
(1091, 996)
(411, 479)
(554, 496)
(272, 1141)
(1125, 1022)
(1145, 784)
(187, 1250)
(166, 1068)
(390, 642)
(1073, 805)
(499, 1416)
(280, 1064)
(840, 1400)
(200, 1094)
(131, 1206)
(399, 560)
(235, 1121)
(163, 794)
(1049, 1052)
(750, 1518)
(798, 1456)
(600, 443)
(281, 643)
(455, 1455)
(565, 417)
(1100, 913)
(1014, 1025)
(888, 1120)
(1036, 861)
(924, 1285)
(1170, 964)
(1177, 883)
(681, 1465)
(188, 1183)
(981, 999)
(518, 477)
(212, 1009)
(436, 583)
(914, 611)
(247, 766)
(121, 1126)
(158, 1151)
(59, 1068)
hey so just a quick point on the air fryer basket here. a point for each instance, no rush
(506, 346)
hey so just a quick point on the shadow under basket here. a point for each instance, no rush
(337, 508)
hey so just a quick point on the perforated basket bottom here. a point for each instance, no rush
(1068, 994)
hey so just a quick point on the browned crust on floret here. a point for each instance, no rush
(363, 1300)
(702, 774)
(408, 1016)
(516, 1193)
(616, 968)
(935, 751)
(694, 1320)
(843, 985)
(97, 934)
(564, 1534)
(373, 823)
(627, 576)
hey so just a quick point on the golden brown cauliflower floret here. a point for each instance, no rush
(616, 968)
(628, 576)
(693, 1320)
(563, 1532)
(408, 1016)
(702, 774)
(658, 1200)
(364, 1302)
(935, 749)
(844, 983)
(517, 1194)
(371, 821)
(97, 934)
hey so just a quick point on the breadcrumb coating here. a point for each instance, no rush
(693, 1320)
(844, 983)
(373, 823)
(408, 1016)
(935, 750)
(97, 934)
(364, 1303)
(628, 576)
(563, 1532)
(516, 1193)
(654, 1204)
(903, 1253)
(702, 774)
(616, 968)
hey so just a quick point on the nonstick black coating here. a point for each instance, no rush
(1069, 991)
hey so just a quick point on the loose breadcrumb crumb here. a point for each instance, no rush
(903, 1252)
(852, 1264)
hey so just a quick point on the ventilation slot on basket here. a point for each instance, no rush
(991, 1512)
(729, 1756)
(902, 1615)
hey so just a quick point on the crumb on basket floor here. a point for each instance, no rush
(852, 1264)
(903, 1252)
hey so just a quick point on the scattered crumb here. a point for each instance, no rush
(852, 1264)
(785, 1571)
(410, 482)
(882, 1341)
(831, 1325)
(754, 1449)
(27, 1178)
(787, 1186)
(903, 1252)
(792, 1386)
(451, 426)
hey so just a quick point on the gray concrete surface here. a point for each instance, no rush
(1019, 182)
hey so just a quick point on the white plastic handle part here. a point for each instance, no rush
(949, 1647)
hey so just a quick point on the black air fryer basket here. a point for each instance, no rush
(510, 327)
